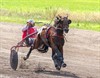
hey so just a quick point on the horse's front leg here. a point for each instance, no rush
(54, 58)
(61, 50)
(28, 54)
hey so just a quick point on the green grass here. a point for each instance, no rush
(86, 13)
(71, 5)
(86, 26)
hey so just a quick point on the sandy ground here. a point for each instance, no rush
(81, 53)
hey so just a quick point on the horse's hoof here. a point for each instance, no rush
(24, 58)
(58, 67)
(64, 65)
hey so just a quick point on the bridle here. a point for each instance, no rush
(61, 26)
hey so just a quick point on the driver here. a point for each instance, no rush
(27, 30)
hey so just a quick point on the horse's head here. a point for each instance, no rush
(62, 23)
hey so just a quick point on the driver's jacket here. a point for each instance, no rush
(27, 30)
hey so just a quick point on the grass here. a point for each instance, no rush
(85, 14)
(72, 5)
(86, 26)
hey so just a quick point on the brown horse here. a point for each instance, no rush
(53, 37)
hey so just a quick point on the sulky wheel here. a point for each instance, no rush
(13, 59)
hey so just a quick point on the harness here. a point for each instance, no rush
(45, 38)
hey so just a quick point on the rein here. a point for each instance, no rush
(59, 28)
(62, 37)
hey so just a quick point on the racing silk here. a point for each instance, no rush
(27, 30)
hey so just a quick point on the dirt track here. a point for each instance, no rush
(81, 53)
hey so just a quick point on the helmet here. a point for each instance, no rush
(30, 21)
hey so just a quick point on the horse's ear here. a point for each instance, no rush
(58, 17)
(69, 21)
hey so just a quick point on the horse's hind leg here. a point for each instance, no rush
(32, 48)
(28, 54)
(35, 46)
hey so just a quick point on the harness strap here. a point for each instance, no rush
(47, 31)
(65, 37)
(44, 39)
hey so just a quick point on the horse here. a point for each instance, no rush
(53, 36)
